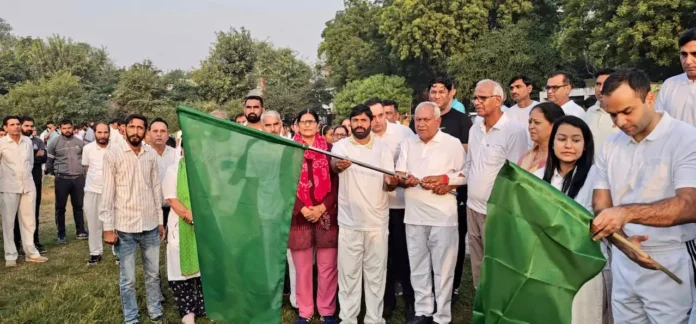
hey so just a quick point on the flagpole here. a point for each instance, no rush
(364, 165)
(642, 253)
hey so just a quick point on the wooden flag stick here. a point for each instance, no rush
(642, 253)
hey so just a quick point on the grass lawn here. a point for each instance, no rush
(66, 290)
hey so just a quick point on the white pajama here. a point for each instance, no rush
(362, 257)
(25, 204)
(433, 248)
(293, 280)
(647, 296)
(96, 228)
(588, 304)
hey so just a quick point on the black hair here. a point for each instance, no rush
(551, 111)
(390, 102)
(589, 102)
(171, 142)
(636, 79)
(604, 72)
(566, 76)
(341, 126)
(136, 116)
(305, 112)
(373, 101)
(241, 114)
(325, 129)
(50, 122)
(158, 120)
(525, 79)
(361, 109)
(108, 129)
(8, 118)
(575, 179)
(114, 121)
(26, 119)
(446, 81)
(253, 98)
(65, 122)
(122, 121)
(687, 36)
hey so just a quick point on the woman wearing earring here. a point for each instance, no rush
(541, 119)
(569, 169)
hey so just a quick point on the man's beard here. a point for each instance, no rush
(135, 140)
(365, 132)
(68, 135)
(103, 141)
(253, 118)
(28, 133)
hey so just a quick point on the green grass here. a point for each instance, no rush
(65, 290)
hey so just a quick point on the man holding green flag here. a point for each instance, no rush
(234, 180)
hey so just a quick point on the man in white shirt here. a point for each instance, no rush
(494, 139)
(520, 89)
(677, 95)
(558, 88)
(131, 212)
(270, 120)
(92, 161)
(397, 265)
(644, 189)
(117, 132)
(166, 155)
(434, 160)
(363, 216)
(596, 117)
(391, 111)
(17, 192)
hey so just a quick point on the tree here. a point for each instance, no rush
(492, 57)
(227, 72)
(352, 45)
(437, 29)
(180, 87)
(622, 33)
(5, 30)
(53, 97)
(377, 86)
(140, 90)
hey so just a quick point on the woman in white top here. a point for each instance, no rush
(183, 271)
(569, 169)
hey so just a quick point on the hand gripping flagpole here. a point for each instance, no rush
(642, 253)
(364, 165)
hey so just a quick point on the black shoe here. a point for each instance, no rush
(94, 260)
(421, 320)
(158, 319)
(82, 236)
(41, 248)
(20, 252)
(62, 240)
(387, 312)
(455, 297)
(410, 313)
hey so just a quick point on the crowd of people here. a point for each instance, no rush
(630, 158)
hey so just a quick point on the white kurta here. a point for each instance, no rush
(173, 261)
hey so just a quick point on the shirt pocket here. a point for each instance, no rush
(493, 155)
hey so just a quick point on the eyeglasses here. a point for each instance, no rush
(554, 88)
(307, 122)
(481, 98)
(340, 135)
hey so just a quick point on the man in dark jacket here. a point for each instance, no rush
(65, 162)
(40, 157)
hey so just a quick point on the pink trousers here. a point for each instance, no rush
(327, 281)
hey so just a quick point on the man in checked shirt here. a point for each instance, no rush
(132, 215)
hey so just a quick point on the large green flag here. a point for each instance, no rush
(538, 252)
(242, 185)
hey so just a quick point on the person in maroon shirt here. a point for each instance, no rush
(314, 226)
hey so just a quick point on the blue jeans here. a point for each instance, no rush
(126, 249)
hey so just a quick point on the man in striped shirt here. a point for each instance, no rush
(132, 215)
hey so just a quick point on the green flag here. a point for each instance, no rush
(242, 184)
(538, 252)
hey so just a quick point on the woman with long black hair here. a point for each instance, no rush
(569, 169)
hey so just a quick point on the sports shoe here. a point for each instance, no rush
(36, 259)
(302, 320)
(421, 320)
(117, 261)
(94, 260)
(82, 236)
(10, 263)
(329, 320)
(455, 296)
(41, 248)
(158, 319)
(62, 240)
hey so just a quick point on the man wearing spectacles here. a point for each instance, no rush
(494, 139)
(253, 109)
(558, 89)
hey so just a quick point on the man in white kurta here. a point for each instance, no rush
(363, 217)
(646, 179)
(677, 95)
(92, 160)
(17, 192)
(431, 220)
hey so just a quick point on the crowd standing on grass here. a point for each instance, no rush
(630, 158)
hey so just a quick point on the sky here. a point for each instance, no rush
(174, 34)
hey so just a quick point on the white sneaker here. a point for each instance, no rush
(36, 259)
(10, 263)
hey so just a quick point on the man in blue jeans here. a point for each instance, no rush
(132, 215)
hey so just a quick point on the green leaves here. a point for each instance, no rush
(377, 86)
